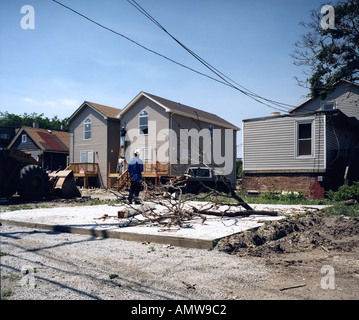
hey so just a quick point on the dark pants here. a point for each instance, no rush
(135, 189)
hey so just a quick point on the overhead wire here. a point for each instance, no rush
(223, 80)
(204, 62)
(137, 43)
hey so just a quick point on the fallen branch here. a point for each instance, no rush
(293, 287)
(245, 213)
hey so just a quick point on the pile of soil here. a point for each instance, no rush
(297, 234)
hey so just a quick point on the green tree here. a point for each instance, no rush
(331, 53)
(16, 121)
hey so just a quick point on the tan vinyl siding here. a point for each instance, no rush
(158, 119)
(162, 120)
(271, 144)
(179, 122)
(97, 143)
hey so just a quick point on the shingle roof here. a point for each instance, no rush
(105, 111)
(182, 109)
(48, 140)
(310, 99)
(109, 112)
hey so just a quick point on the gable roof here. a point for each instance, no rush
(105, 111)
(310, 99)
(46, 140)
(181, 109)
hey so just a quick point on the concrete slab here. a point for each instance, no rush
(87, 220)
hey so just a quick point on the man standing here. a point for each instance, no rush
(135, 169)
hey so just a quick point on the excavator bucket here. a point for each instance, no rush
(64, 185)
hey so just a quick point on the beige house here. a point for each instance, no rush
(94, 142)
(170, 136)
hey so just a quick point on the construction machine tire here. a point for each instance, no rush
(33, 183)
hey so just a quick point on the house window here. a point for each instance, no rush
(143, 122)
(304, 134)
(87, 157)
(87, 129)
(23, 138)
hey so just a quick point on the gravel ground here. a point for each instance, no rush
(38, 264)
(45, 265)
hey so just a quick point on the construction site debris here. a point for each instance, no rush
(305, 233)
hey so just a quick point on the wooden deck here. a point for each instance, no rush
(154, 170)
(84, 170)
(150, 170)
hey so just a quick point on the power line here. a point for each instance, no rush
(137, 43)
(208, 65)
(223, 81)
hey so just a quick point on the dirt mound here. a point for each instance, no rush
(293, 235)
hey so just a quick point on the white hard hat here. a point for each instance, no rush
(137, 151)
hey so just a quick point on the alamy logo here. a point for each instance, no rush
(28, 20)
(327, 281)
(328, 20)
(186, 146)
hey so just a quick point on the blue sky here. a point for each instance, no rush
(66, 59)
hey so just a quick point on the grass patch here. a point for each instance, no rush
(271, 197)
(20, 207)
(6, 294)
(340, 208)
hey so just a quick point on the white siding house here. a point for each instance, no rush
(312, 149)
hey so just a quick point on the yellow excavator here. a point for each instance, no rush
(21, 173)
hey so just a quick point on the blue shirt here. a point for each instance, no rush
(135, 168)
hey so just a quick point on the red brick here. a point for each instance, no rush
(307, 183)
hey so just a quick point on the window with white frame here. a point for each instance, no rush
(23, 138)
(87, 157)
(143, 122)
(304, 139)
(87, 129)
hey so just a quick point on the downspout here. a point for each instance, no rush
(73, 147)
(170, 145)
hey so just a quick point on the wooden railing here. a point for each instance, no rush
(155, 169)
(84, 169)
(150, 170)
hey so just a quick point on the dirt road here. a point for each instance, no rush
(304, 259)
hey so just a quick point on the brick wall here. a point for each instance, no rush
(307, 183)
